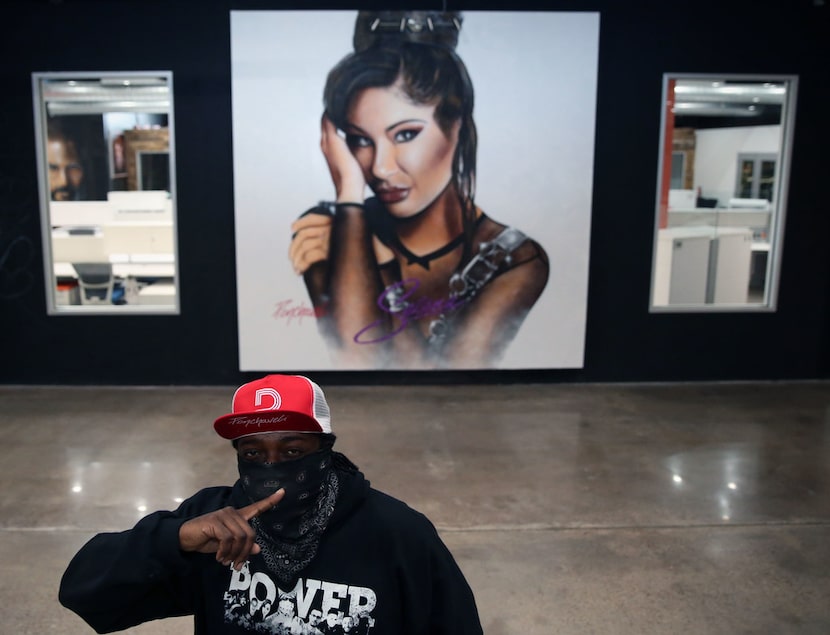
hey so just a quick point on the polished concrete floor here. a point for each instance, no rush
(572, 509)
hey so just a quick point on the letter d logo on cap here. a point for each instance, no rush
(267, 392)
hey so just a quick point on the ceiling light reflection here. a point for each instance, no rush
(725, 507)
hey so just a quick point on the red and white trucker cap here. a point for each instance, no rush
(276, 403)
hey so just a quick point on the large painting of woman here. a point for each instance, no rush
(416, 275)
(403, 263)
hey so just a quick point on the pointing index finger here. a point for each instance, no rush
(266, 504)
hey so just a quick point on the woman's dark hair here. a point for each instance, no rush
(418, 50)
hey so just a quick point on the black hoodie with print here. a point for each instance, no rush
(380, 569)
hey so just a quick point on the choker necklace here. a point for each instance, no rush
(423, 261)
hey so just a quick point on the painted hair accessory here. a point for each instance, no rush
(276, 403)
(435, 28)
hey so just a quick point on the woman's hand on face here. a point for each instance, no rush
(310, 243)
(345, 171)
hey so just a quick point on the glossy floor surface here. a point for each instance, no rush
(700, 508)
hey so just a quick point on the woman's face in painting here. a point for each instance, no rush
(405, 156)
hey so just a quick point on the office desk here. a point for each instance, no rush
(65, 270)
(158, 293)
(138, 249)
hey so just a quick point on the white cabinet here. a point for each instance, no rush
(731, 258)
(702, 265)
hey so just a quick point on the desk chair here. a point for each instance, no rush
(96, 282)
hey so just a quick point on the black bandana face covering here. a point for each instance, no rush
(290, 533)
(303, 480)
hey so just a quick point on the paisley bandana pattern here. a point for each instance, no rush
(288, 552)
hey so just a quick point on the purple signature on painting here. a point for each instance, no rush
(405, 310)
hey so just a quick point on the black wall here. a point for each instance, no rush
(638, 43)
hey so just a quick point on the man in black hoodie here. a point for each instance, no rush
(301, 526)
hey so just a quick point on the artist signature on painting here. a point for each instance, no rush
(396, 301)
(290, 311)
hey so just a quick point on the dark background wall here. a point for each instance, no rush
(638, 43)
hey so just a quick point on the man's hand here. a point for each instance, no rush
(226, 532)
